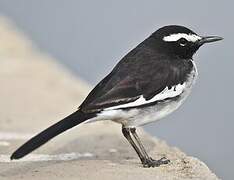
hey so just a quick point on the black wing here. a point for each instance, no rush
(141, 72)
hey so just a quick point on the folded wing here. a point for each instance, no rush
(138, 80)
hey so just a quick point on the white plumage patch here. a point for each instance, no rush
(139, 116)
(176, 37)
(166, 93)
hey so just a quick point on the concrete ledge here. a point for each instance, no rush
(35, 92)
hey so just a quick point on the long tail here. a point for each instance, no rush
(52, 131)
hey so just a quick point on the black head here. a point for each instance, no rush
(179, 41)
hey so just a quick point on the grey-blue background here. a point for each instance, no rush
(89, 37)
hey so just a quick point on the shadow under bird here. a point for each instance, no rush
(150, 82)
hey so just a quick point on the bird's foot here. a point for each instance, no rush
(155, 163)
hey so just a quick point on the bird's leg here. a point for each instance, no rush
(127, 135)
(136, 137)
(149, 162)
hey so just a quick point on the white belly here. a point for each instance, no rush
(153, 113)
(139, 116)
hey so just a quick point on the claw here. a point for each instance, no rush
(155, 163)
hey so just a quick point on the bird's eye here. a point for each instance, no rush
(183, 42)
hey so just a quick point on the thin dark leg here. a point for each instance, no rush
(149, 162)
(136, 137)
(127, 135)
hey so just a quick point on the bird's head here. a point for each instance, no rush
(180, 41)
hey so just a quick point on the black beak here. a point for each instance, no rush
(209, 39)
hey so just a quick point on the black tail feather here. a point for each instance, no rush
(54, 130)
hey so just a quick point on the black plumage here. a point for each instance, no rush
(147, 74)
(49, 133)
(161, 62)
(146, 70)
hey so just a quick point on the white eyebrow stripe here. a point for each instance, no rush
(176, 37)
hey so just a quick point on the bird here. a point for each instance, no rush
(147, 84)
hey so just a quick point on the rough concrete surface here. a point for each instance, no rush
(36, 92)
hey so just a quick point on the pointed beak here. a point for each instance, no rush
(209, 39)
